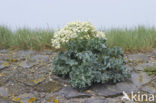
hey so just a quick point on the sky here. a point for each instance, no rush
(56, 13)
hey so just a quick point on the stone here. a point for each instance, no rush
(27, 64)
(51, 97)
(108, 90)
(40, 58)
(149, 89)
(28, 98)
(3, 80)
(47, 52)
(50, 87)
(43, 70)
(23, 53)
(4, 51)
(138, 57)
(17, 88)
(6, 75)
(4, 101)
(31, 76)
(140, 78)
(129, 68)
(2, 65)
(116, 100)
(155, 84)
(73, 101)
(96, 100)
(141, 67)
(50, 102)
(64, 81)
(4, 92)
(69, 92)
(11, 58)
(25, 78)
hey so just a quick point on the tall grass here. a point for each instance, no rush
(5, 37)
(25, 39)
(140, 38)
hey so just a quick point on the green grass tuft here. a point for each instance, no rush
(150, 70)
(5, 37)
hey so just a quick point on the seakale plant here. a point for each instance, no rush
(88, 60)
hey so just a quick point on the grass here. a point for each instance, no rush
(137, 39)
(25, 39)
(150, 70)
(140, 38)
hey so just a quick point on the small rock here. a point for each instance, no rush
(25, 53)
(116, 100)
(47, 52)
(3, 80)
(53, 97)
(49, 87)
(28, 98)
(73, 101)
(30, 77)
(138, 57)
(140, 78)
(27, 64)
(129, 68)
(2, 65)
(4, 51)
(64, 81)
(149, 89)
(96, 100)
(43, 70)
(141, 67)
(108, 90)
(155, 84)
(69, 92)
(4, 101)
(18, 88)
(4, 92)
(11, 58)
(40, 58)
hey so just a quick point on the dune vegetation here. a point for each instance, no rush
(136, 39)
(25, 38)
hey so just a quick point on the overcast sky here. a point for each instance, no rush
(56, 13)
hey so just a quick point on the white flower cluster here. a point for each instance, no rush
(74, 30)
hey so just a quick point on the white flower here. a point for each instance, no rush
(72, 30)
(101, 34)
